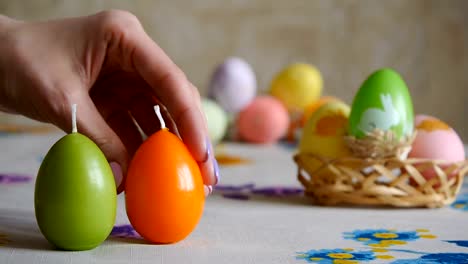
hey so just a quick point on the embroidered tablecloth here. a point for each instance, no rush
(257, 214)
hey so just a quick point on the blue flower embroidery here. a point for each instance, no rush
(460, 243)
(329, 256)
(461, 203)
(437, 258)
(385, 237)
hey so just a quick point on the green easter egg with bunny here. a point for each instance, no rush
(382, 103)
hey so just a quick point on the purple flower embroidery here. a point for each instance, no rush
(245, 191)
(234, 188)
(236, 196)
(13, 178)
(124, 231)
(278, 191)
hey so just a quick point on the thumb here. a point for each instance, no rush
(92, 124)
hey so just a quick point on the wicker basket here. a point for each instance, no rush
(384, 181)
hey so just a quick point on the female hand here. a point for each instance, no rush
(114, 72)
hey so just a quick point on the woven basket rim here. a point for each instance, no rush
(373, 160)
(329, 181)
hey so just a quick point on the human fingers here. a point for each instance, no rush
(91, 123)
(209, 166)
(135, 95)
(117, 115)
(133, 49)
(123, 125)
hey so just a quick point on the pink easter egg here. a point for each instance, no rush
(264, 120)
(437, 141)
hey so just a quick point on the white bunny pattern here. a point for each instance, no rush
(375, 118)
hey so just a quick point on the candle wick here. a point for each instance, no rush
(74, 128)
(158, 113)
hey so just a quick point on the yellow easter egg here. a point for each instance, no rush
(297, 86)
(324, 132)
(313, 107)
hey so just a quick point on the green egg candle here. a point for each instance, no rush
(75, 196)
(383, 102)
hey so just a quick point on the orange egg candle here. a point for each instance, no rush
(164, 194)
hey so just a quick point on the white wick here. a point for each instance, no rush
(74, 128)
(158, 113)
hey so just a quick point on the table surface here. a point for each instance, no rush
(257, 214)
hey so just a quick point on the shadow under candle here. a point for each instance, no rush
(21, 230)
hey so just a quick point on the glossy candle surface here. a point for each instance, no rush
(75, 195)
(164, 193)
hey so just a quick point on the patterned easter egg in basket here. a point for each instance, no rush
(381, 118)
(436, 140)
(378, 172)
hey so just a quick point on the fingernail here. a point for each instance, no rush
(208, 148)
(213, 159)
(117, 171)
(216, 170)
(208, 190)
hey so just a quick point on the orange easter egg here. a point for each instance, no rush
(164, 194)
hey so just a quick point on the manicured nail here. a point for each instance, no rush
(208, 190)
(213, 159)
(216, 170)
(117, 171)
(208, 148)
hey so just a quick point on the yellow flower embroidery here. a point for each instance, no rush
(422, 230)
(396, 242)
(344, 261)
(379, 245)
(340, 255)
(379, 250)
(385, 235)
(429, 236)
(387, 243)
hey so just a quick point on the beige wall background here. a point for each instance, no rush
(425, 40)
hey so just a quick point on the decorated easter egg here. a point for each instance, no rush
(436, 140)
(233, 84)
(299, 120)
(75, 195)
(324, 132)
(216, 118)
(164, 193)
(309, 110)
(383, 102)
(297, 86)
(264, 120)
